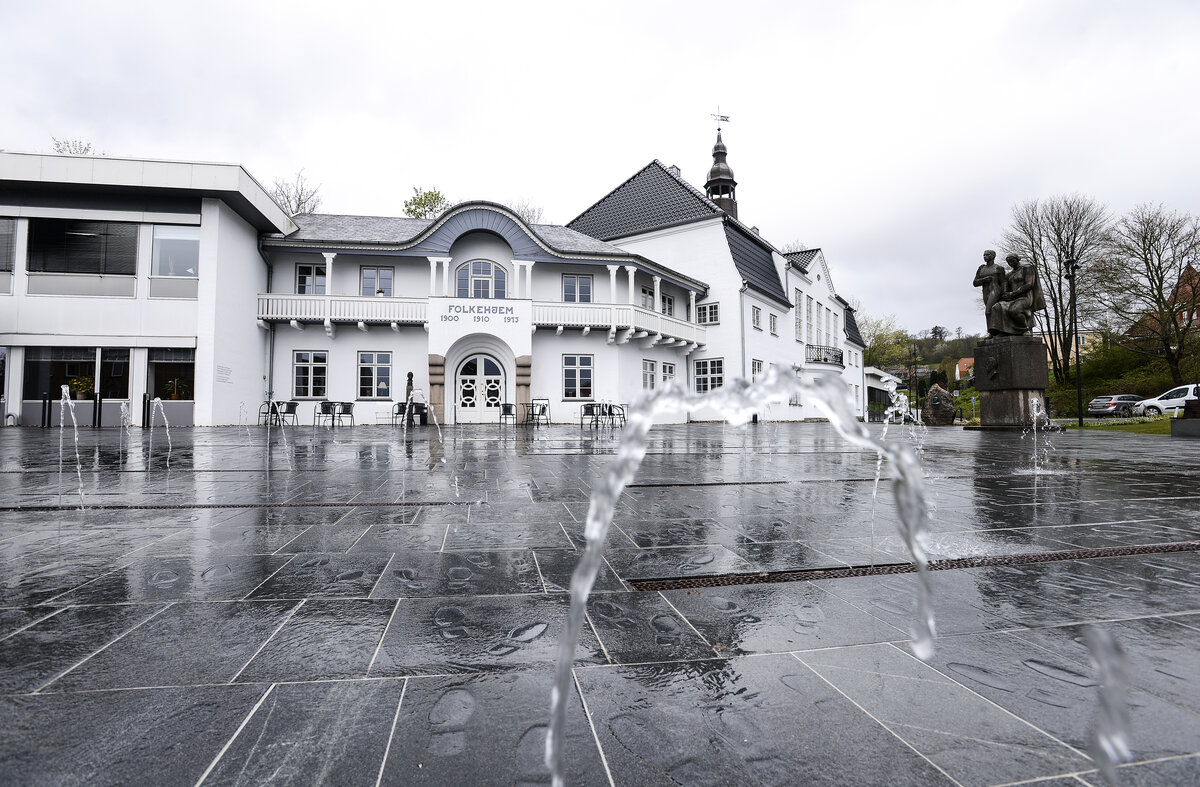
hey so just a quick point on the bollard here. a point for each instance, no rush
(97, 416)
(145, 411)
(45, 410)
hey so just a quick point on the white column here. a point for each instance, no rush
(630, 269)
(612, 283)
(329, 255)
(692, 305)
(529, 279)
(433, 263)
(658, 293)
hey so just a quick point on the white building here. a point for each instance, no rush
(133, 279)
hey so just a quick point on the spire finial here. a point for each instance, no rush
(720, 118)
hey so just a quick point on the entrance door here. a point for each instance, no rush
(479, 390)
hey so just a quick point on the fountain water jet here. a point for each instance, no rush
(738, 401)
(1110, 744)
(157, 404)
(67, 404)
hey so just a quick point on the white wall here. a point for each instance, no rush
(230, 347)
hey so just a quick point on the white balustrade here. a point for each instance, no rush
(280, 307)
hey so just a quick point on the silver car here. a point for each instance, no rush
(1120, 405)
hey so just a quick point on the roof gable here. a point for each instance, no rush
(654, 197)
(852, 332)
(755, 263)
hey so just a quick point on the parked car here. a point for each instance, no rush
(1119, 405)
(1167, 402)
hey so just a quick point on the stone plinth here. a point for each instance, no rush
(1009, 372)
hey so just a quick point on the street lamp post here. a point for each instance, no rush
(1072, 270)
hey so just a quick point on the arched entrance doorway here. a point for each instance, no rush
(478, 390)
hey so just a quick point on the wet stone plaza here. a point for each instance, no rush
(352, 606)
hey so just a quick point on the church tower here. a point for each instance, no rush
(721, 186)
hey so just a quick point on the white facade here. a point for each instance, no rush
(343, 308)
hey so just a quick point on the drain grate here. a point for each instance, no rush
(808, 575)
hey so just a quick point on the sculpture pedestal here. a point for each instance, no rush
(1009, 372)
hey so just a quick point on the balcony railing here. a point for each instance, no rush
(621, 315)
(815, 353)
(280, 307)
(285, 307)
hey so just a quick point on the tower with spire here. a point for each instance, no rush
(720, 186)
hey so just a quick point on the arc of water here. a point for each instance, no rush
(157, 405)
(1110, 740)
(68, 405)
(738, 401)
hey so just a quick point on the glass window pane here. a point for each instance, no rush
(176, 251)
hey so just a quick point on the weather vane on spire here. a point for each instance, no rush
(720, 118)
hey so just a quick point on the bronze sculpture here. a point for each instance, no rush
(1022, 297)
(991, 277)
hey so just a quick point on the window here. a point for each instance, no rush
(799, 316)
(310, 279)
(8, 243)
(577, 377)
(172, 372)
(773, 324)
(374, 375)
(481, 279)
(577, 289)
(85, 247)
(668, 371)
(755, 369)
(668, 305)
(808, 317)
(648, 375)
(828, 340)
(377, 281)
(710, 374)
(648, 298)
(47, 369)
(708, 314)
(756, 317)
(310, 370)
(176, 251)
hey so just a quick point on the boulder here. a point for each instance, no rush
(939, 407)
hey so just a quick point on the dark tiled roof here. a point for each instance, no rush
(754, 263)
(331, 228)
(852, 329)
(653, 197)
(802, 259)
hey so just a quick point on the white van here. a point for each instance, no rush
(1167, 402)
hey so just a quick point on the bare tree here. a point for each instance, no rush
(1149, 282)
(1047, 233)
(529, 213)
(73, 147)
(297, 195)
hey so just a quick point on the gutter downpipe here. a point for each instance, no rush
(269, 377)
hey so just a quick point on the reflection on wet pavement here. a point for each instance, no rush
(352, 609)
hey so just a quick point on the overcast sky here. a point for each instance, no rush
(894, 135)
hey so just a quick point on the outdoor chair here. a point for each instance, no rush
(508, 411)
(287, 412)
(590, 412)
(616, 415)
(343, 411)
(539, 412)
(324, 412)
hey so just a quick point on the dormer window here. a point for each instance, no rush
(481, 279)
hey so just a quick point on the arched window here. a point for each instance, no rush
(481, 279)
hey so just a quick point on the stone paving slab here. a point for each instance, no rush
(352, 609)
